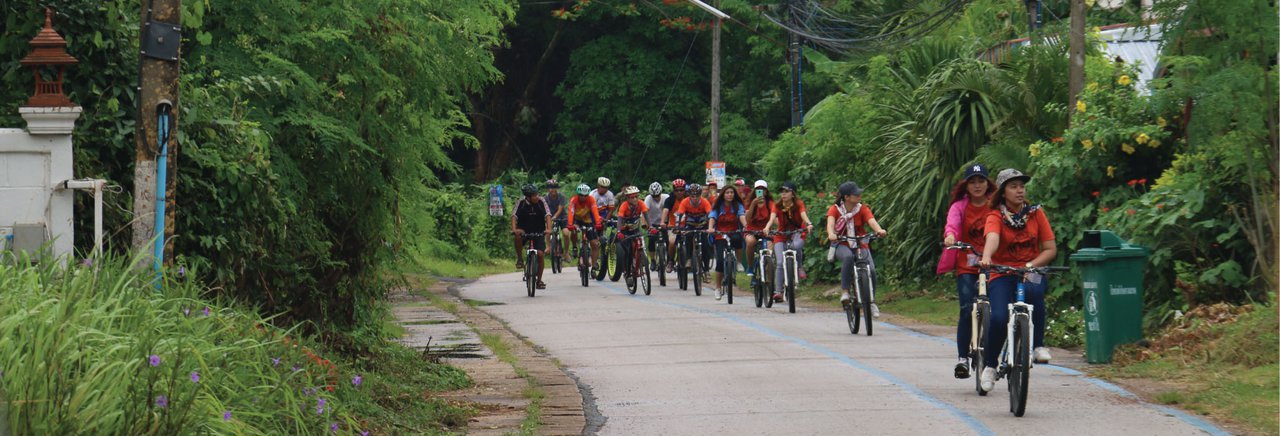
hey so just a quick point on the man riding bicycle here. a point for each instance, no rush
(632, 219)
(556, 203)
(653, 202)
(694, 212)
(604, 198)
(669, 218)
(583, 212)
(531, 216)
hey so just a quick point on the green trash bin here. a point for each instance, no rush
(1112, 271)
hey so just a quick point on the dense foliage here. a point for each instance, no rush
(310, 132)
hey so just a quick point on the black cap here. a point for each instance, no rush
(789, 186)
(850, 188)
(976, 169)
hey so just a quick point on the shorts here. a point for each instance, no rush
(539, 243)
(590, 232)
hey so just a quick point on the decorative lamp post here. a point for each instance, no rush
(48, 52)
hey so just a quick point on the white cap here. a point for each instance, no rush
(761, 184)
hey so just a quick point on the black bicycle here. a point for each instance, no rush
(584, 255)
(764, 264)
(608, 265)
(689, 264)
(730, 264)
(531, 263)
(658, 245)
(635, 264)
(1015, 358)
(858, 306)
(555, 249)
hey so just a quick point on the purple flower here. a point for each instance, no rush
(155, 360)
(320, 406)
(226, 416)
(333, 427)
(206, 311)
(275, 361)
(296, 368)
(87, 262)
(357, 380)
(195, 376)
(162, 401)
(364, 433)
(182, 271)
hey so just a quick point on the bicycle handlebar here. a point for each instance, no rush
(865, 238)
(962, 246)
(1046, 270)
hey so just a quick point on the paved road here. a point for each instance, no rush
(672, 363)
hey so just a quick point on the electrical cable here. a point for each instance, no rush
(656, 124)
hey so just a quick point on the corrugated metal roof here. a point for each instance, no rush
(1135, 45)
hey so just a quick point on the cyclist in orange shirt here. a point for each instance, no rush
(583, 212)
(669, 218)
(632, 219)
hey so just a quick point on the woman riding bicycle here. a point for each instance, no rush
(849, 217)
(789, 214)
(1017, 235)
(759, 212)
(727, 215)
(971, 203)
(632, 218)
(583, 212)
(531, 216)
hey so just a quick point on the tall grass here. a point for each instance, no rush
(97, 349)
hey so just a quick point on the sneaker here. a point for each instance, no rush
(875, 311)
(719, 294)
(844, 298)
(519, 265)
(777, 297)
(541, 285)
(671, 267)
(962, 368)
(988, 379)
(1041, 355)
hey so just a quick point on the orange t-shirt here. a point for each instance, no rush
(697, 214)
(972, 231)
(1017, 247)
(582, 210)
(788, 221)
(629, 215)
(859, 219)
(759, 217)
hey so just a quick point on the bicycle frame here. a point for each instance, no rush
(789, 256)
(1018, 309)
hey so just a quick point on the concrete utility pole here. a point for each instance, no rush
(1033, 16)
(715, 88)
(157, 93)
(793, 58)
(1075, 68)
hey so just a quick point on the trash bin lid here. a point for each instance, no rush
(1100, 245)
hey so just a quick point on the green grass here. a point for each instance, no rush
(927, 305)
(1228, 371)
(466, 270)
(533, 391)
(98, 350)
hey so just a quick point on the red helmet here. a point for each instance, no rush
(678, 184)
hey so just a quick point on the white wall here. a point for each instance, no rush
(32, 168)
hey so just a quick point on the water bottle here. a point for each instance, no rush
(831, 252)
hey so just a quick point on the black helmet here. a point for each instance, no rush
(528, 189)
(850, 188)
(693, 189)
(789, 186)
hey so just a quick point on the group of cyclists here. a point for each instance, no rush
(992, 216)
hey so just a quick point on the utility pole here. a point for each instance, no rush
(1075, 66)
(715, 88)
(157, 119)
(793, 58)
(1033, 17)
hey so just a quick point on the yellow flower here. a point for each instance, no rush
(1161, 122)
(1124, 80)
(1080, 106)
(1091, 86)
(1155, 143)
(1111, 171)
(1127, 148)
(1034, 149)
(1142, 138)
(1088, 144)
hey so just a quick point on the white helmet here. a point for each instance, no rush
(655, 189)
(603, 181)
(762, 184)
(631, 190)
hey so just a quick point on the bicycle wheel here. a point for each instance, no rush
(643, 276)
(864, 297)
(852, 315)
(682, 257)
(768, 279)
(619, 264)
(790, 289)
(697, 270)
(557, 254)
(730, 271)
(977, 355)
(531, 276)
(662, 264)
(605, 256)
(584, 264)
(1020, 372)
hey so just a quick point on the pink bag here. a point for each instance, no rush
(947, 263)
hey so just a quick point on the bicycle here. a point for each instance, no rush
(690, 251)
(658, 245)
(608, 263)
(531, 263)
(1015, 358)
(584, 256)
(763, 284)
(790, 269)
(864, 288)
(730, 262)
(555, 250)
(636, 267)
(979, 316)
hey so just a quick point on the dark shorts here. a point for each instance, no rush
(589, 231)
(539, 243)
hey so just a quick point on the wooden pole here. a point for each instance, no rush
(715, 88)
(1075, 66)
(157, 82)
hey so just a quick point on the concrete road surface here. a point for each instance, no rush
(673, 363)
